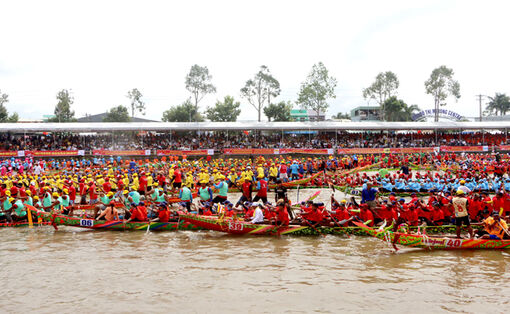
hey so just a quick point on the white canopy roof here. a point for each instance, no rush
(240, 126)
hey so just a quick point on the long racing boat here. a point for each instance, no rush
(434, 242)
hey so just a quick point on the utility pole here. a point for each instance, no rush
(480, 97)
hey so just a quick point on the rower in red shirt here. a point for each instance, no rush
(282, 215)
(437, 215)
(340, 213)
(366, 215)
(315, 217)
(163, 213)
(72, 193)
(107, 186)
(136, 214)
(142, 188)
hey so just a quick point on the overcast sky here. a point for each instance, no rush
(101, 49)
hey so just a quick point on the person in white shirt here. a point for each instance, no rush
(258, 215)
(464, 188)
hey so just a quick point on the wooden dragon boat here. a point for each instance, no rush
(118, 225)
(434, 242)
(357, 191)
(229, 225)
(173, 200)
(240, 227)
(288, 185)
(21, 224)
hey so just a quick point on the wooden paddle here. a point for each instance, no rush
(29, 215)
(322, 234)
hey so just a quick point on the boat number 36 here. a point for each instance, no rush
(86, 223)
(236, 226)
(453, 243)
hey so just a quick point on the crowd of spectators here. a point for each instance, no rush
(221, 140)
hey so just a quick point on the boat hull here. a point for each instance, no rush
(118, 225)
(436, 243)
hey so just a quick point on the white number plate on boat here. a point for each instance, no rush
(86, 223)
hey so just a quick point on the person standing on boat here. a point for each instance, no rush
(205, 194)
(294, 170)
(283, 172)
(261, 191)
(463, 187)
(460, 205)
(222, 187)
(273, 173)
(368, 196)
(246, 189)
(186, 197)
(280, 192)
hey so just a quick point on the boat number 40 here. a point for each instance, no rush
(236, 226)
(453, 243)
(86, 223)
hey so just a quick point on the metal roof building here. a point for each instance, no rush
(241, 126)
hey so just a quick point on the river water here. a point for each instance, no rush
(84, 271)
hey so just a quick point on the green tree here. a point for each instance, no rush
(224, 111)
(499, 103)
(4, 114)
(13, 118)
(63, 111)
(186, 112)
(137, 104)
(198, 83)
(398, 110)
(260, 89)
(441, 85)
(384, 86)
(317, 89)
(278, 112)
(117, 114)
(343, 116)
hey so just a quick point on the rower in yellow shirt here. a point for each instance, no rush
(125, 180)
(188, 180)
(99, 180)
(171, 171)
(260, 172)
(232, 177)
(136, 183)
(203, 177)
(273, 173)
(495, 227)
(150, 179)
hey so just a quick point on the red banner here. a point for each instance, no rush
(276, 151)
(504, 147)
(368, 150)
(312, 151)
(8, 154)
(350, 151)
(169, 152)
(51, 153)
(238, 151)
(449, 149)
(104, 152)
